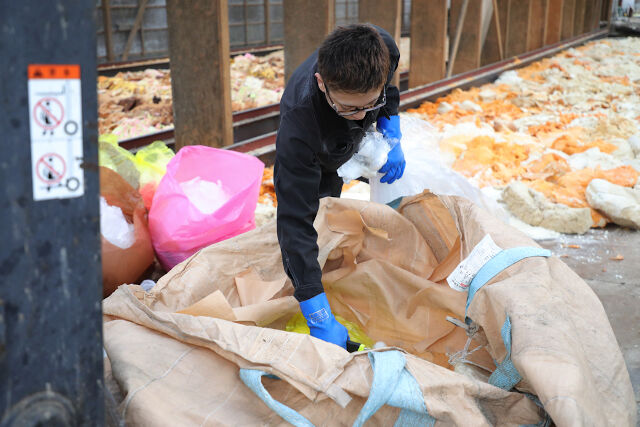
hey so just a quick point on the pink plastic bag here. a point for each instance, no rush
(206, 196)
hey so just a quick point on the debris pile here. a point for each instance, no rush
(553, 126)
(136, 103)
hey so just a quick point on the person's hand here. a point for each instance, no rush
(321, 321)
(394, 167)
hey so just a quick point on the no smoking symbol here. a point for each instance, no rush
(48, 113)
(51, 169)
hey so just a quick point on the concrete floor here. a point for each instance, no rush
(616, 282)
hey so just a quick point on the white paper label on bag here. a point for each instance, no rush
(464, 273)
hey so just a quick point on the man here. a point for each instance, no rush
(328, 104)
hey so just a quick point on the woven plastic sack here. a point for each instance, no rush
(221, 315)
(151, 161)
(181, 223)
(119, 265)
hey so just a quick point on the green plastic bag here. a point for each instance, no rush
(116, 158)
(143, 171)
(299, 324)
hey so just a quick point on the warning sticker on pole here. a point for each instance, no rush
(55, 112)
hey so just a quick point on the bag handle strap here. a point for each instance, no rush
(392, 385)
(253, 379)
(505, 258)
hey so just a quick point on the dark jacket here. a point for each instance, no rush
(312, 143)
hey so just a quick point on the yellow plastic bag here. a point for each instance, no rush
(143, 171)
(151, 162)
(299, 324)
(116, 158)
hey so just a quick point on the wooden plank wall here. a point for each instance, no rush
(537, 24)
(568, 16)
(428, 41)
(491, 50)
(517, 27)
(578, 21)
(553, 28)
(470, 46)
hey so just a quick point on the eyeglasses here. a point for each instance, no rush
(382, 102)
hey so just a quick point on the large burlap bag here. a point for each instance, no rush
(178, 351)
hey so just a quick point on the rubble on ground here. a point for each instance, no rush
(554, 126)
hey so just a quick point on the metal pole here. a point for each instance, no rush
(51, 351)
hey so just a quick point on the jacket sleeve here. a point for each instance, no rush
(393, 94)
(297, 176)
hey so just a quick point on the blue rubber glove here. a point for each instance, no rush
(321, 321)
(394, 168)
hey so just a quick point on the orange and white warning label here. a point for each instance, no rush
(55, 112)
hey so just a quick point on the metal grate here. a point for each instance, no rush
(255, 23)
(346, 12)
(252, 24)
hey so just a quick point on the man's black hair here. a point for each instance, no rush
(354, 59)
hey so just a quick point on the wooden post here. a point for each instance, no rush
(306, 24)
(597, 14)
(568, 16)
(108, 30)
(517, 27)
(428, 41)
(469, 49)
(578, 21)
(200, 75)
(493, 49)
(134, 30)
(607, 11)
(589, 11)
(537, 24)
(553, 29)
(386, 14)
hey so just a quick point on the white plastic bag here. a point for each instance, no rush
(114, 226)
(207, 196)
(371, 156)
(425, 170)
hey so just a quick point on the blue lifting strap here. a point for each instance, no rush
(505, 376)
(253, 379)
(392, 385)
(495, 265)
